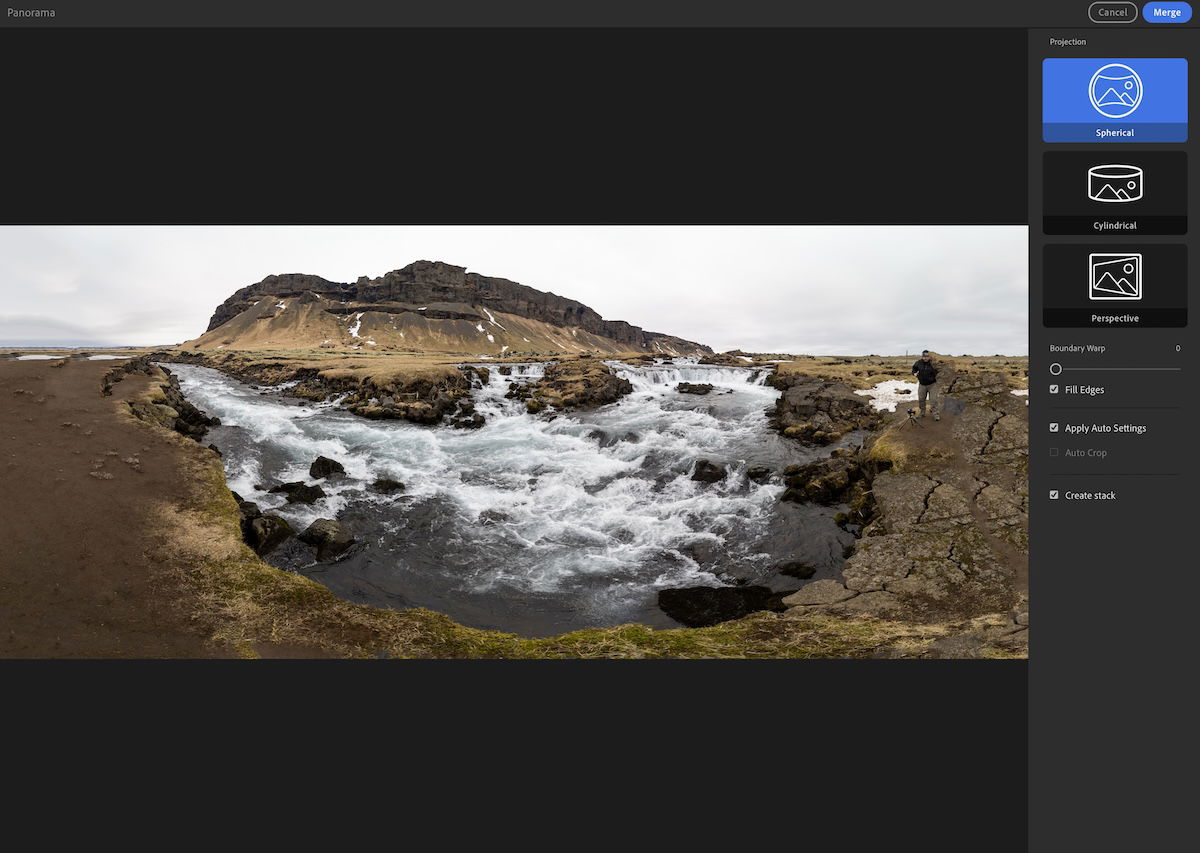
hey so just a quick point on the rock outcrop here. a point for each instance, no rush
(429, 291)
(578, 384)
(166, 406)
(947, 519)
(819, 411)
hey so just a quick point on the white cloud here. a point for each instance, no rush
(812, 289)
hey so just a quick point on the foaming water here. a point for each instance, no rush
(531, 524)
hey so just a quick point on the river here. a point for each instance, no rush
(530, 524)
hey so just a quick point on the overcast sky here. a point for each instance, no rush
(798, 289)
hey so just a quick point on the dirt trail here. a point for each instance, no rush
(80, 478)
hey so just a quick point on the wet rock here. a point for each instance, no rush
(697, 607)
(472, 421)
(493, 516)
(323, 467)
(386, 486)
(824, 482)
(216, 450)
(247, 510)
(795, 569)
(694, 388)
(299, 492)
(266, 533)
(331, 538)
(705, 552)
(708, 472)
(818, 592)
(759, 474)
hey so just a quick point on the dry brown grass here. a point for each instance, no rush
(869, 370)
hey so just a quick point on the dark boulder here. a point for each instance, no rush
(386, 485)
(693, 388)
(266, 533)
(796, 569)
(324, 467)
(758, 475)
(263, 533)
(700, 606)
(331, 538)
(708, 472)
(299, 493)
(493, 516)
(247, 510)
(473, 421)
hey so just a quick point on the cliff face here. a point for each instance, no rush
(433, 283)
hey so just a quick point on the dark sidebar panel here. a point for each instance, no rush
(1112, 365)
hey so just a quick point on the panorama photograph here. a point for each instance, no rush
(514, 442)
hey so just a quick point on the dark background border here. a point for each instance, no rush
(474, 126)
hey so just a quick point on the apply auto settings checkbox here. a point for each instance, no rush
(1053, 427)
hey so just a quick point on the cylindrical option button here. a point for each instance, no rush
(1115, 183)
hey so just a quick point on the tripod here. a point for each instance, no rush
(912, 419)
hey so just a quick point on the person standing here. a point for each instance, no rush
(927, 389)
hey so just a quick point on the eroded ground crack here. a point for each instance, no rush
(929, 494)
(990, 430)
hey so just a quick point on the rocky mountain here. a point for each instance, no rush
(427, 305)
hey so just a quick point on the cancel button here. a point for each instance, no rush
(1113, 13)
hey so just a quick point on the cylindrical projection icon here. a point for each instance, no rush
(1115, 183)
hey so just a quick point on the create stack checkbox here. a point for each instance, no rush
(1054, 494)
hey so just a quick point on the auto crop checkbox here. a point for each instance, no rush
(1053, 451)
(1053, 389)
(1053, 427)
(1054, 494)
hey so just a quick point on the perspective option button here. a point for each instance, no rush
(1167, 13)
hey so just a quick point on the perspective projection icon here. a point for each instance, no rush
(1115, 183)
(1115, 90)
(1114, 277)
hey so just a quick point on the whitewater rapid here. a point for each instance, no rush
(532, 524)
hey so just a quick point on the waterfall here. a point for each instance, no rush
(653, 376)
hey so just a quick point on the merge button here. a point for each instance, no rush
(1167, 13)
(1113, 13)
